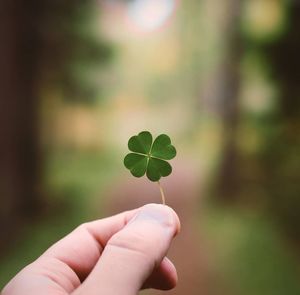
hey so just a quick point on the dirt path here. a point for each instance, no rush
(188, 252)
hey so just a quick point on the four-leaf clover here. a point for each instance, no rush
(150, 156)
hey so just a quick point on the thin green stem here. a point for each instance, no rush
(162, 193)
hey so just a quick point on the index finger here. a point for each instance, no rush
(81, 249)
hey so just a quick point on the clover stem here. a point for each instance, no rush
(162, 193)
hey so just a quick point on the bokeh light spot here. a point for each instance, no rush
(149, 15)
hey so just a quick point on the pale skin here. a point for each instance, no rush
(121, 254)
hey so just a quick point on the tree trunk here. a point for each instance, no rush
(228, 85)
(18, 113)
(281, 157)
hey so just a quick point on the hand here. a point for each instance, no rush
(121, 254)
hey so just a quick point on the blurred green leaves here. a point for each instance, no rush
(264, 21)
(150, 157)
(73, 51)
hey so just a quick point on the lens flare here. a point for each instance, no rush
(149, 15)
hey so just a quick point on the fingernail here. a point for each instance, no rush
(159, 213)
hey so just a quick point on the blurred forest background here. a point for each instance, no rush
(222, 78)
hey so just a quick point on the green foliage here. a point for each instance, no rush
(73, 52)
(149, 156)
(251, 252)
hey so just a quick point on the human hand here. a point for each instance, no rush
(121, 254)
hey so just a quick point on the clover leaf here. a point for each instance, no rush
(149, 157)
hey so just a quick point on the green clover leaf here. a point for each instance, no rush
(149, 157)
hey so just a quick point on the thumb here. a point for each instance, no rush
(134, 253)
